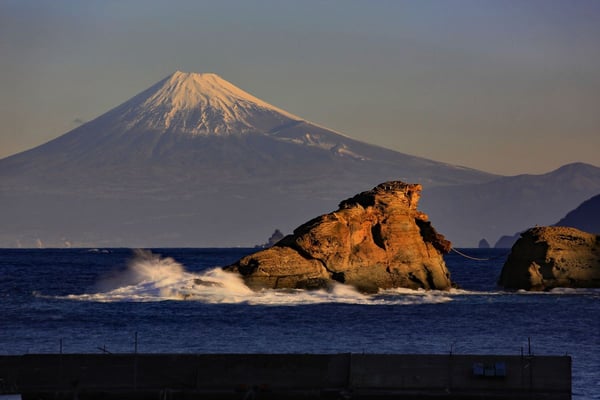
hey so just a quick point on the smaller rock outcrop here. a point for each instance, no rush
(553, 256)
(483, 244)
(507, 241)
(376, 239)
(274, 238)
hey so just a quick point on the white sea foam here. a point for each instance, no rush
(150, 277)
(595, 292)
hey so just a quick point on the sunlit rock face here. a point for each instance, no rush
(549, 257)
(374, 240)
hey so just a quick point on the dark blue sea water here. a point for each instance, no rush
(86, 300)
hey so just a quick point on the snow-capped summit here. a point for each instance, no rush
(194, 161)
(202, 104)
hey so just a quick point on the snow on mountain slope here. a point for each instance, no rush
(199, 125)
(202, 104)
(194, 161)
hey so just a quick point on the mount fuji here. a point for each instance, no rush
(196, 161)
(198, 128)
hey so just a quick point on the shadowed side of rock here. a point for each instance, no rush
(549, 257)
(376, 239)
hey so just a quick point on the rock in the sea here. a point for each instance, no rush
(376, 239)
(553, 256)
(506, 241)
(483, 244)
(274, 238)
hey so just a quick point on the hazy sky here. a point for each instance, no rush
(504, 86)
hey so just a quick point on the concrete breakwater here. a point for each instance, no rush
(285, 376)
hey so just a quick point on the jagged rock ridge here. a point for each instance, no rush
(376, 239)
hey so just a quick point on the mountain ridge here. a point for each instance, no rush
(152, 172)
(585, 217)
(147, 129)
(510, 203)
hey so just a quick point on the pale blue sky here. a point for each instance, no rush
(503, 86)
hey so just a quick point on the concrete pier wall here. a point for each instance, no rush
(283, 376)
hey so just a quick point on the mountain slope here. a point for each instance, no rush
(199, 125)
(200, 104)
(195, 161)
(586, 217)
(509, 204)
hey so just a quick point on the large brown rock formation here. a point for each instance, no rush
(376, 239)
(553, 256)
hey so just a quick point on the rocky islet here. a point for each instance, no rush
(375, 240)
(553, 256)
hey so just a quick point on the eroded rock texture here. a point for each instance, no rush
(376, 239)
(553, 256)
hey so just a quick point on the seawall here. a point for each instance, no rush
(285, 376)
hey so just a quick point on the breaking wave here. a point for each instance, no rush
(150, 277)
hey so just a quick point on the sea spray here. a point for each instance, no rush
(145, 266)
(150, 277)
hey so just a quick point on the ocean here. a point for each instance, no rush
(177, 301)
